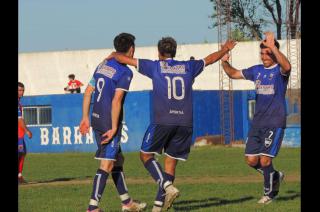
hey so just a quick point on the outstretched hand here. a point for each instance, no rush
(269, 41)
(229, 44)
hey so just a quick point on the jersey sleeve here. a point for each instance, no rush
(248, 73)
(124, 82)
(146, 67)
(92, 82)
(197, 66)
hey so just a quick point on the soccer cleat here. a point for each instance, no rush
(21, 180)
(134, 206)
(156, 209)
(276, 185)
(171, 194)
(96, 210)
(265, 200)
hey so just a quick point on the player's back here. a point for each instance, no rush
(109, 76)
(172, 89)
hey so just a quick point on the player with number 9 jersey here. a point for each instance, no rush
(107, 78)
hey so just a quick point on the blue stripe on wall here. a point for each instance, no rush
(63, 135)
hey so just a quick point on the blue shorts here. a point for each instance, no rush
(110, 150)
(264, 141)
(175, 140)
(22, 146)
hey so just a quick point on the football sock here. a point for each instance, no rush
(161, 192)
(119, 182)
(156, 172)
(269, 175)
(21, 162)
(99, 183)
(258, 168)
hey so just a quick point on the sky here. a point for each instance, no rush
(57, 25)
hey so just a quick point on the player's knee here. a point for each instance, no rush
(265, 161)
(145, 157)
(120, 160)
(252, 161)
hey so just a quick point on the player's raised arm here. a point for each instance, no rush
(232, 72)
(214, 57)
(121, 58)
(281, 59)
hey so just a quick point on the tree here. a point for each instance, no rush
(294, 17)
(253, 16)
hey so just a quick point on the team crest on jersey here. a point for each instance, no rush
(270, 76)
(267, 142)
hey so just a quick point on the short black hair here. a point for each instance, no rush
(123, 42)
(262, 46)
(72, 76)
(20, 84)
(192, 58)
(167, 46)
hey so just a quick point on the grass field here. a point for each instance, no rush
(213, 179)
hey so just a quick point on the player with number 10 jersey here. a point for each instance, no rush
(170, 129)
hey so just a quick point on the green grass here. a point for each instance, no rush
(204, 163)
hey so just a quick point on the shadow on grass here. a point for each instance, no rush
(61, 179)
(293, 195)
(189, 205)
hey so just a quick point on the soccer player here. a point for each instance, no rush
(110, 81)
(269, 121)
(171, 127)
(22, 129)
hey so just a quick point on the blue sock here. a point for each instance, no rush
(155, 171)
(119, 182)
(269, 177)
(99, 183)
(161, 192)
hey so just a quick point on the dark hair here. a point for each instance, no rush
(72, 76)
(262, 46)
(123, 42)
(20, 84)
(167, 46)
(192, 58)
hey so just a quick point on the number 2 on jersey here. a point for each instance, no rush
(173, 89)
(100, 87)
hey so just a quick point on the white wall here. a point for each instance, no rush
(47, 72)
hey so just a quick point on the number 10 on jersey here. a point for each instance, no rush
(172, 87)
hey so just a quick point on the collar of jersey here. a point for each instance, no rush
(271, 67)
(169, 59)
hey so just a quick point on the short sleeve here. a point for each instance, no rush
(92, 82)
(124, 82)
(248, 73)
(146, 67)
(197, 66)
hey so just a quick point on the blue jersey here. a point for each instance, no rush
(172, 89)
(271, 85)
(107, 78)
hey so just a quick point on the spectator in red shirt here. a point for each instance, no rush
(73, 84)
